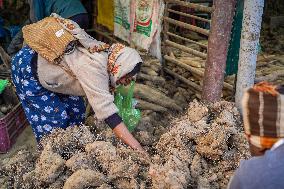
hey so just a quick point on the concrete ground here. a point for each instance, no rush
(25, 140)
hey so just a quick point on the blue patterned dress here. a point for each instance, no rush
(44, 109)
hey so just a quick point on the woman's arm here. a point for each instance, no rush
(122, 133)
(115, 122)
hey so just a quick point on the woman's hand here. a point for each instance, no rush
(122, 133)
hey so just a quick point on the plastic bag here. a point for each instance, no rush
(126, 105)
(3, 85)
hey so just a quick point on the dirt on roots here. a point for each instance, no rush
(198, 150)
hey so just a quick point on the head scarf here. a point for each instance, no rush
(263, 114)
(121, 61)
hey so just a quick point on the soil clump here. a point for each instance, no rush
(198, 150)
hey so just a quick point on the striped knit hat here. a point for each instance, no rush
(263, 114)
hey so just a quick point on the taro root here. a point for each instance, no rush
(5, 108)
(211, 149)
(81, 161)
(173, 174)
(214, 143)
(84, 178)
(107, 157)
(104, 186)
(145, 138)
(196, 111)
(126, 184)
(17, 166)
(136, 156)
(49, 166)
(68, 142)
(195, 152)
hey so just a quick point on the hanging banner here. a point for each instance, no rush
(122, 19)
(138, 21)
(106, 13)
(146, 14)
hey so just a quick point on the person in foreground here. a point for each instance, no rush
(263, 116)
(60, 64)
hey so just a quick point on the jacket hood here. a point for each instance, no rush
(122, 60)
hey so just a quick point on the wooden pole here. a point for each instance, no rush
(194, 70)
(189, 15)
(187, 26)
(177, 76)
(186, 39)
(186, 49)
(185, 66)
(191, 5)
(218, 43)
(253, 10)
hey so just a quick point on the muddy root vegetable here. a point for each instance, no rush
(151, 95)
(84, 178)
(143, 105)
(49, 167)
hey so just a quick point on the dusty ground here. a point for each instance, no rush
(25, 141)
(8, 100)
(198, 150)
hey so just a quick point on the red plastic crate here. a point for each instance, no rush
(11, 127)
